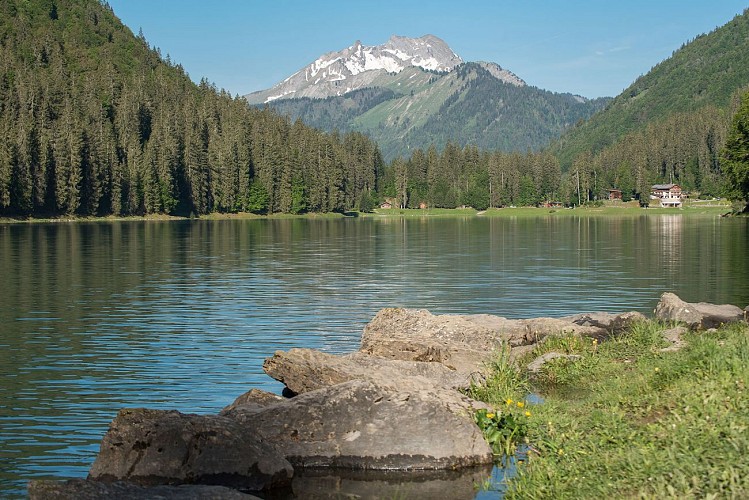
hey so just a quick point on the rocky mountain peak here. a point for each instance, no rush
(356, 66)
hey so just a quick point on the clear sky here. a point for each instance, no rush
(589, 47)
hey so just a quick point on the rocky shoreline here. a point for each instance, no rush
(396, 405)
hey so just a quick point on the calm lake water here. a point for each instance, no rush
(99, 316)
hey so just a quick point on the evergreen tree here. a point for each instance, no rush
(735, 155)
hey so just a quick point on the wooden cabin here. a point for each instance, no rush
(615, 194)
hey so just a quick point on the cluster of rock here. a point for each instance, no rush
(395, 405)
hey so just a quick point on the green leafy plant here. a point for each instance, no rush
(503, 429)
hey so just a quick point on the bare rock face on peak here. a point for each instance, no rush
(357, 66)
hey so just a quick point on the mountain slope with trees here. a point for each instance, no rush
(674, 125)
(93, 121)
(469, 105)
(706, 72)
(669, 126)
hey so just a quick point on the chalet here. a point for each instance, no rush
(615, 194)
(669, 194)
(386, 204)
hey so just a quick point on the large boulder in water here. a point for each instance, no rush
(360, 425)
(151, 447)
(304, 370)
(461, 342)
(697, 316)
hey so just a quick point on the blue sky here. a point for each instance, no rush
(589, 47)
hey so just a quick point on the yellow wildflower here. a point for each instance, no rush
(657, 369)
(527, 414)
(560, 451)
(509, 402)
(490, 415)
(520, 404)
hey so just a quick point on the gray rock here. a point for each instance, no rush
(462, 343)
(537, 364)
(304, 370)
(254, 397)
(80, 489)
(674, 336)
(359, 425)
(608, 322)
(697, 316)
(151, 447)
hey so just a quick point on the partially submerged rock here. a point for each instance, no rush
(697, 316)
(151, 447)
(304, 370)
(360, 425)
(80, 489)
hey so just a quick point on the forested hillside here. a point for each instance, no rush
(93, 121)
(669, 126)
(671, 123)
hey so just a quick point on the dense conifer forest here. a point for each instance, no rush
(95, 122)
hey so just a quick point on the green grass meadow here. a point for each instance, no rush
(628, 420)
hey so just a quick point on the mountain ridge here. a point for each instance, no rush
(412, 104)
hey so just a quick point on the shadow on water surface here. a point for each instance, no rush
(317, 483)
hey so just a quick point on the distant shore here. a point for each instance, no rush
(695, 208)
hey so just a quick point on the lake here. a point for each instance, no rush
(180, 314)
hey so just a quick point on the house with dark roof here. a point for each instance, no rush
(670, 195)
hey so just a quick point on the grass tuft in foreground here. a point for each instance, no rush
(627, 420)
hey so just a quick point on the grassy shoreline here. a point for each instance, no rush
(715, 210)
(629, 420)
(712, 210)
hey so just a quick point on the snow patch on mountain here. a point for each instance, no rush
(359, 65)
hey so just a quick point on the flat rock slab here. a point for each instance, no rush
(609, 323)
(80, 489)
(304, 370)
(696, 315)
(359, 425)
(151, 447)
(461, 342)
